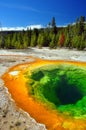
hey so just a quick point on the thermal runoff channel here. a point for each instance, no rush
(53, 92)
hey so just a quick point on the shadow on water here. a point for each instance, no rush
(67, 93)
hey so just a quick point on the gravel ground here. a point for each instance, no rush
(12, 117)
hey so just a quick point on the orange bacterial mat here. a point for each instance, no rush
(15, 81)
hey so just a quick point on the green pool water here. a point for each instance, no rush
(60, 87)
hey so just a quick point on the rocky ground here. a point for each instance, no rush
(12, 117)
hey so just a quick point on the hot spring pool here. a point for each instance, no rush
(53, 92)
(61, 86)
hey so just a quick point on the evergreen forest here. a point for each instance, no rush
(52, 36)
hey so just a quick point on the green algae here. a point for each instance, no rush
(61, 87)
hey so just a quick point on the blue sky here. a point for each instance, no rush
(15, 13)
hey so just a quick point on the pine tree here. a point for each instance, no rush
(53, 43)
(75, 41)
(81, 25)
(25, 41)
(76, 28)
(82, 42)
(2, 40)
(41, 40)
(67, 40)
(14, 39)
(8, 41)
(53, 23)
(33, 40)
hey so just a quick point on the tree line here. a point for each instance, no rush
(71, 36)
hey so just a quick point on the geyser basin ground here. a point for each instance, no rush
(53, 92)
